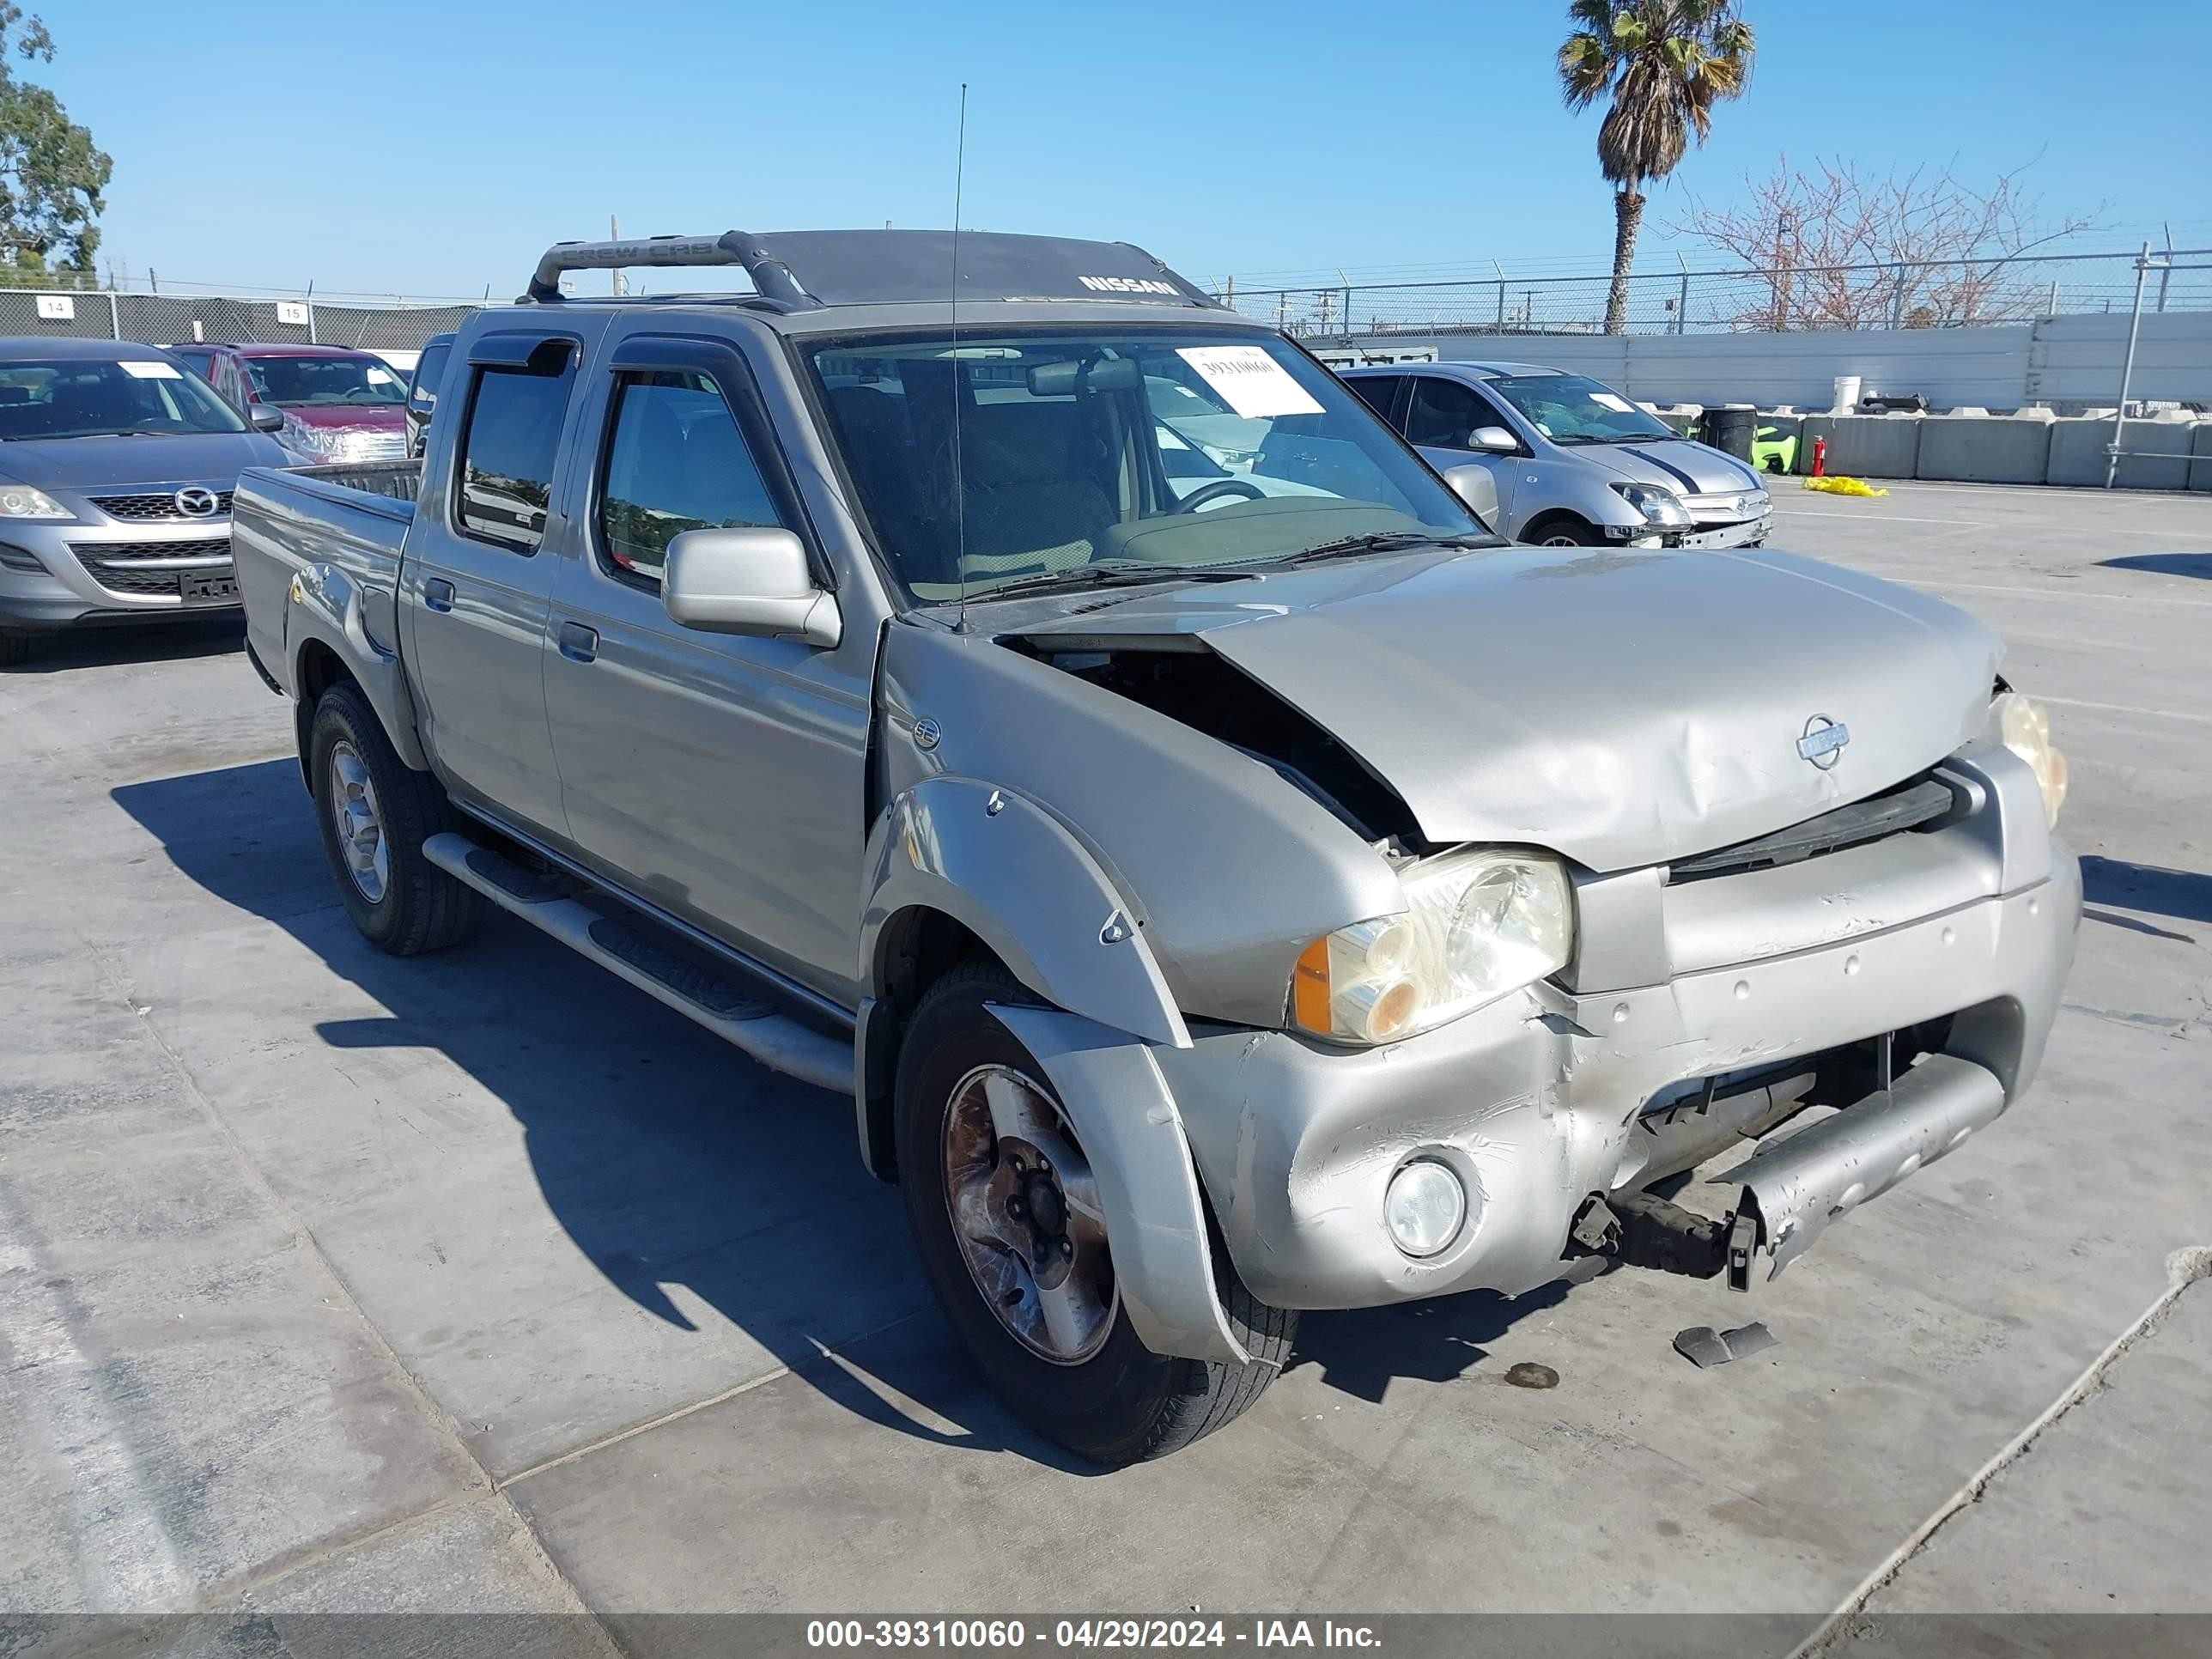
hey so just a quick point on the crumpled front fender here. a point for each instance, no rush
(1012, 875)
(1131, 1135)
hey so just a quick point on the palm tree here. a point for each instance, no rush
(1666, 62)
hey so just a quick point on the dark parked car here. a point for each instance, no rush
(116, 472)
(422, 388)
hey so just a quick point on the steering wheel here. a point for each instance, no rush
(1220, 489)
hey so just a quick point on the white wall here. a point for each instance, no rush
(2075, 359)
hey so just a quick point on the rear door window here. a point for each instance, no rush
(507, 453)
(1443, 412)
(1378, 391)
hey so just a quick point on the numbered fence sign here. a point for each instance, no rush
(56, 308)
(293, 312)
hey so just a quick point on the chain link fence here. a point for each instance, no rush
(170, 319)
(1953, 294)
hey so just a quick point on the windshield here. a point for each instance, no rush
(299, 382)
(1117, 450)
(85, 398)
(1572, 408)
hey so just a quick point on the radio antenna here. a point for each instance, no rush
(959, 473)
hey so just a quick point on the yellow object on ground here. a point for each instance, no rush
(1836, 486)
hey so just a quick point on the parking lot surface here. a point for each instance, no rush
(483, 1283)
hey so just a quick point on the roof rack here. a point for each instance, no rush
(805, 270)
(731, 247)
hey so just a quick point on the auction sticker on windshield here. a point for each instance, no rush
(1253, 383)
(145, 371)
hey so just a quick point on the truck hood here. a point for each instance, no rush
(1620, 707)
(1685, 468)
(102, 463)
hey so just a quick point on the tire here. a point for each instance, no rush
(1565, 533)
(409, 906)
(14, 649)
(1120, 1403)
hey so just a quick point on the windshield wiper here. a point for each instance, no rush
(1382, 541)
(1077, 577)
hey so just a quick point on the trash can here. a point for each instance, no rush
(1729, 427)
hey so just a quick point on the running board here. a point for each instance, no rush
(721, 1004)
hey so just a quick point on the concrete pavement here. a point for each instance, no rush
(329, 1283)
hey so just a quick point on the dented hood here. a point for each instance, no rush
(1620, 707)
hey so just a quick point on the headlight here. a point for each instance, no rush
(1657, 504)
(2026, 730)
(22, 501)
(1478, 923)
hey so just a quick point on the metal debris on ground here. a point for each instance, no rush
(1704, 1348)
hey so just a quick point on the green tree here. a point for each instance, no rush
(50, 173)
(1666, 64)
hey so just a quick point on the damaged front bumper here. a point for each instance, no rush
(1539, 1102)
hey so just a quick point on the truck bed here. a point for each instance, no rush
(340, 528)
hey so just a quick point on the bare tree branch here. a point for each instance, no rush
(1843, 249)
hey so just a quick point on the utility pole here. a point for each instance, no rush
(1785, 237)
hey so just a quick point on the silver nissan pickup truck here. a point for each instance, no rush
(1224, 887)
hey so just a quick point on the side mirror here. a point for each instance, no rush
(1474, 486)
(1493, 441)
(747, 581)
(266, 417)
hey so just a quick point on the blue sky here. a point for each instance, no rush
(434, 148)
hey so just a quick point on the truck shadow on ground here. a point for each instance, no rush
(2164, 564)
(102, 648)
(2184, 894)
(1362, 1350)
(683, 1172)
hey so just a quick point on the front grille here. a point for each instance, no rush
(214, 547)
(151, 506)
(1921, 803)
(123, 579)
(145, 566)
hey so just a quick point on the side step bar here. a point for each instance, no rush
(721, 1004)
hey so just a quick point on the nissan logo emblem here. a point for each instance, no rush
(196, 503)
(1824, 740)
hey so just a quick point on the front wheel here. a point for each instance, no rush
(1006, 1219)
(1566, 533)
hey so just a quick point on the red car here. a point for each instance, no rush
(339, 405)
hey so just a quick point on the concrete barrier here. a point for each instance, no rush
(1863, 446)
(2200, 476)
(1984, 449)
(2077, 453)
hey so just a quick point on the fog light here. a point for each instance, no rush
(1424, 1207)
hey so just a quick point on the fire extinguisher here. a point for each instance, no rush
(1819, 458)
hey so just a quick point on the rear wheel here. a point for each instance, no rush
(1006, 1219)
(376, 812)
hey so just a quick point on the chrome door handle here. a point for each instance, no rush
(438, 593)
(577, 642)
